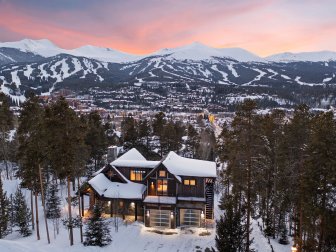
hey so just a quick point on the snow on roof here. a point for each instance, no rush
(99, 171)
(135, 163)
(132, 154)
(192, 199)
(160, 199)
(106, 188)
(133, 158)
(178, 165)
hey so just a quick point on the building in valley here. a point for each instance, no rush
(169, 193)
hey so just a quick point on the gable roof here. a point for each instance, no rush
(108, 189)
(132, 154)
(133, 158)
(182, 166)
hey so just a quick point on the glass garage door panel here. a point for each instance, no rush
(160, 218)
(190, 217)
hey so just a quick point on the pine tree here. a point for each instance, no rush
(319, 181)
(97, 232)
(6, 124)
(53, 202)
(4, 212)
(283, 233)
(11, 216)
(67, 151)
(158, 125)
(129, 132)
(22, 216)
(244, 140)
(53, 210)
(96, 138)
(297, 133)
(32, 149)
(193, 141)
(170, 140)
(230, 229)
(144, 131)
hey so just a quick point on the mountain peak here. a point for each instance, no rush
(303, 56)
(43, 47)
(194, 51)
(200, 51)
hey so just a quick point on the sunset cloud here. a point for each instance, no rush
(138, 26)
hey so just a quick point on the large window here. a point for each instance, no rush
(136, 175)
(162, 186)
(189, 182)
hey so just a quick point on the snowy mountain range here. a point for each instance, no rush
(41, 66)
(194, 51)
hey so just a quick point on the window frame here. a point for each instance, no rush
(165, 174)
(138, 175)
(187, 182)
(164, 185)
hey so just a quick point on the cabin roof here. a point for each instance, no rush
(108, 189)
(133, 158)
(182, 166)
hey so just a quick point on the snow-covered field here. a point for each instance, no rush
(130, 237)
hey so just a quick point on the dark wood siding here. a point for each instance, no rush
(171, 183)
(126, 171)
(191, 191)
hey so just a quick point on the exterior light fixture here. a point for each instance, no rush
(202, 215)
(172, 214)
(293, 249)
(147, 213)
(132, 205)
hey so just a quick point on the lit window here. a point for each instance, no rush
(162, 173)
(136, 175)
(191, 182)
(162, 186)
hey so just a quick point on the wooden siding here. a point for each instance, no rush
(126, 171)
(191, 191)
(171, 183)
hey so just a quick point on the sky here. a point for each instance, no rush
(263, 27)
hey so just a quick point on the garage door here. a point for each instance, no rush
(190, 217)
(160, 218)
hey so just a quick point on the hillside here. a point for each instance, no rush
(42, 67)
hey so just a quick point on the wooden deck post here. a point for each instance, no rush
(82, 197)
(111, 208)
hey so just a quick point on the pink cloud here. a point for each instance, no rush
(264, 27)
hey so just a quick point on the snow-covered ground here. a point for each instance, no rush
(130, 237)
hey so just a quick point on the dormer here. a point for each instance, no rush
(134, 166)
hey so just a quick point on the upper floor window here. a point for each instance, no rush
(136, 175)
(162, 186)
(162, 174)
(190, 182)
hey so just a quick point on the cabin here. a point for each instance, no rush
(173, 192)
